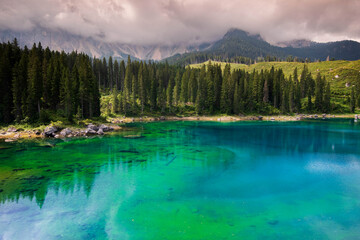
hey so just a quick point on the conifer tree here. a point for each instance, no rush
(19, 87)
(185, 86)
(34, 85)
(236, 99)
(177, 88)
(169, 93)
(309, 102)
(318, 93)
(266, 91)
(192, 86)
(352, 100)
(66, 94)
(110, 73)
(327, 96)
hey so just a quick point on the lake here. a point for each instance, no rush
(186, 180)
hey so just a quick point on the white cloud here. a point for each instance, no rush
(175, 21)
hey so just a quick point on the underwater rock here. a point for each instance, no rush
(18, 169)
(133, 136)
(128, 151)
(168, 163)
(273, 222)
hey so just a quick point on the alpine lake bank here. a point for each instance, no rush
(57, 130)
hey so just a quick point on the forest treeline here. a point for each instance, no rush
(163, 88)
(37, 81)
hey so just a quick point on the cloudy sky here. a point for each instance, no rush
(177, 21)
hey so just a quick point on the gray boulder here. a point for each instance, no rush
(12, 129)
(100, 132)
(93, 127)
(65, 132)
(105, 128)
(50, 131)
(90, 131)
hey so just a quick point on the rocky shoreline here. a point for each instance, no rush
(52, 131)
(230, 118)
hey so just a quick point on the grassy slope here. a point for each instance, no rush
(348, 71)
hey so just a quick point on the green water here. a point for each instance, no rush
(187, 180)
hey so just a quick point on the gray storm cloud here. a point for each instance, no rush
(178, 21)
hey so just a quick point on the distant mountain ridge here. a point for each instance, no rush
(240, 43)
(299, 43)
(61, 40)
(234, 43)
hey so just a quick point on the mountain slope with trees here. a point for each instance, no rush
(38, 82)
(241, 47)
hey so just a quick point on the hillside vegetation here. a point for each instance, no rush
(338, 73)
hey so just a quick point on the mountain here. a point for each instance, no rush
(298, 43)
(237, 43)
(62, 40)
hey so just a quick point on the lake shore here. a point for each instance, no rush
(230, 118)
(13, 133)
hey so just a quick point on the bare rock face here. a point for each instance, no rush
(50, 131)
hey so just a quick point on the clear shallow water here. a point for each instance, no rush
(187, 180)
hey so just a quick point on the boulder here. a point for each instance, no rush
(100, 132)
(162, 118)
(105, 128)
(12, 129)
(65, 132)
(37, 132)
(50, 131)
(93, 127)
(260, 118)
(90, 131)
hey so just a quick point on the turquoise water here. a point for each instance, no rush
(187, 180)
